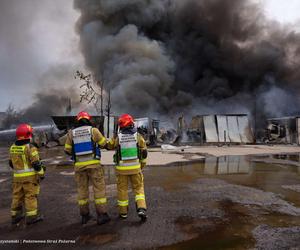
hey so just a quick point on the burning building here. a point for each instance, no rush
(166, 57)
(149, 128)
(229, 128)
(106, 125)
(283, 130)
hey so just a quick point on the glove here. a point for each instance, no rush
(42, 176)
(68, 153)
(37, 166)
(144, 153)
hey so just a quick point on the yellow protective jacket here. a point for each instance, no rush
(129, 167)
(80, 164)
(22, 158)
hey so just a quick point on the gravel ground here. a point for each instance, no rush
(189, 207)
(270, 238)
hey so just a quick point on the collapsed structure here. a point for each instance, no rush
(284, 130)
(109, 125)
(228, 128)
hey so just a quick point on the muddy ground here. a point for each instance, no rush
(227, 202)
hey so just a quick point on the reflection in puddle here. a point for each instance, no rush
(290, 157)
(240, 170)
(227, 165)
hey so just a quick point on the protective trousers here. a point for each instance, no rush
(137, 183)
(96, 176)
(25, 193)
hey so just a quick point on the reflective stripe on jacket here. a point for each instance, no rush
(128, 152)
(85, 150)
(22, 167)
(128, 165)
(128, 146)
(82, 139)
(84, 144)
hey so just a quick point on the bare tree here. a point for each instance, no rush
(11, 117)
(92, 91)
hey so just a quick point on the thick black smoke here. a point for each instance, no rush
(196, 56)
(53, 96)
(46, 104)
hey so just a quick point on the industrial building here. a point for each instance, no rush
(283, 130)
(223, 128)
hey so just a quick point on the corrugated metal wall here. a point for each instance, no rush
(227, 128)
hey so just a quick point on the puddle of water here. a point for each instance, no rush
(290, 157)
(234, 233)
(97, 239)
(239, 170)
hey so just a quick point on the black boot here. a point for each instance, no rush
(16, 219)
(85, 218)
(34, 219)
(142, 214)
(103, 218)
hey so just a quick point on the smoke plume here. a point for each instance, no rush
(39, 55)
(54, 96)
(194, 56)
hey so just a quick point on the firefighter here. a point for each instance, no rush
(27, 173)
(130, 159)
(84, 143)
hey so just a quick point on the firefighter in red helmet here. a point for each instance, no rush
(27, 172)
(84, 143)
(130, 158)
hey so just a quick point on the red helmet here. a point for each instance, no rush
(125, 120)
(24, 132)
(83, 115)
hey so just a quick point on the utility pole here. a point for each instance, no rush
(108, 112)
(255, 118)
(101, 99)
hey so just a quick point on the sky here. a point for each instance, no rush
(38, 35)
(283, 11)
(35, 36)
